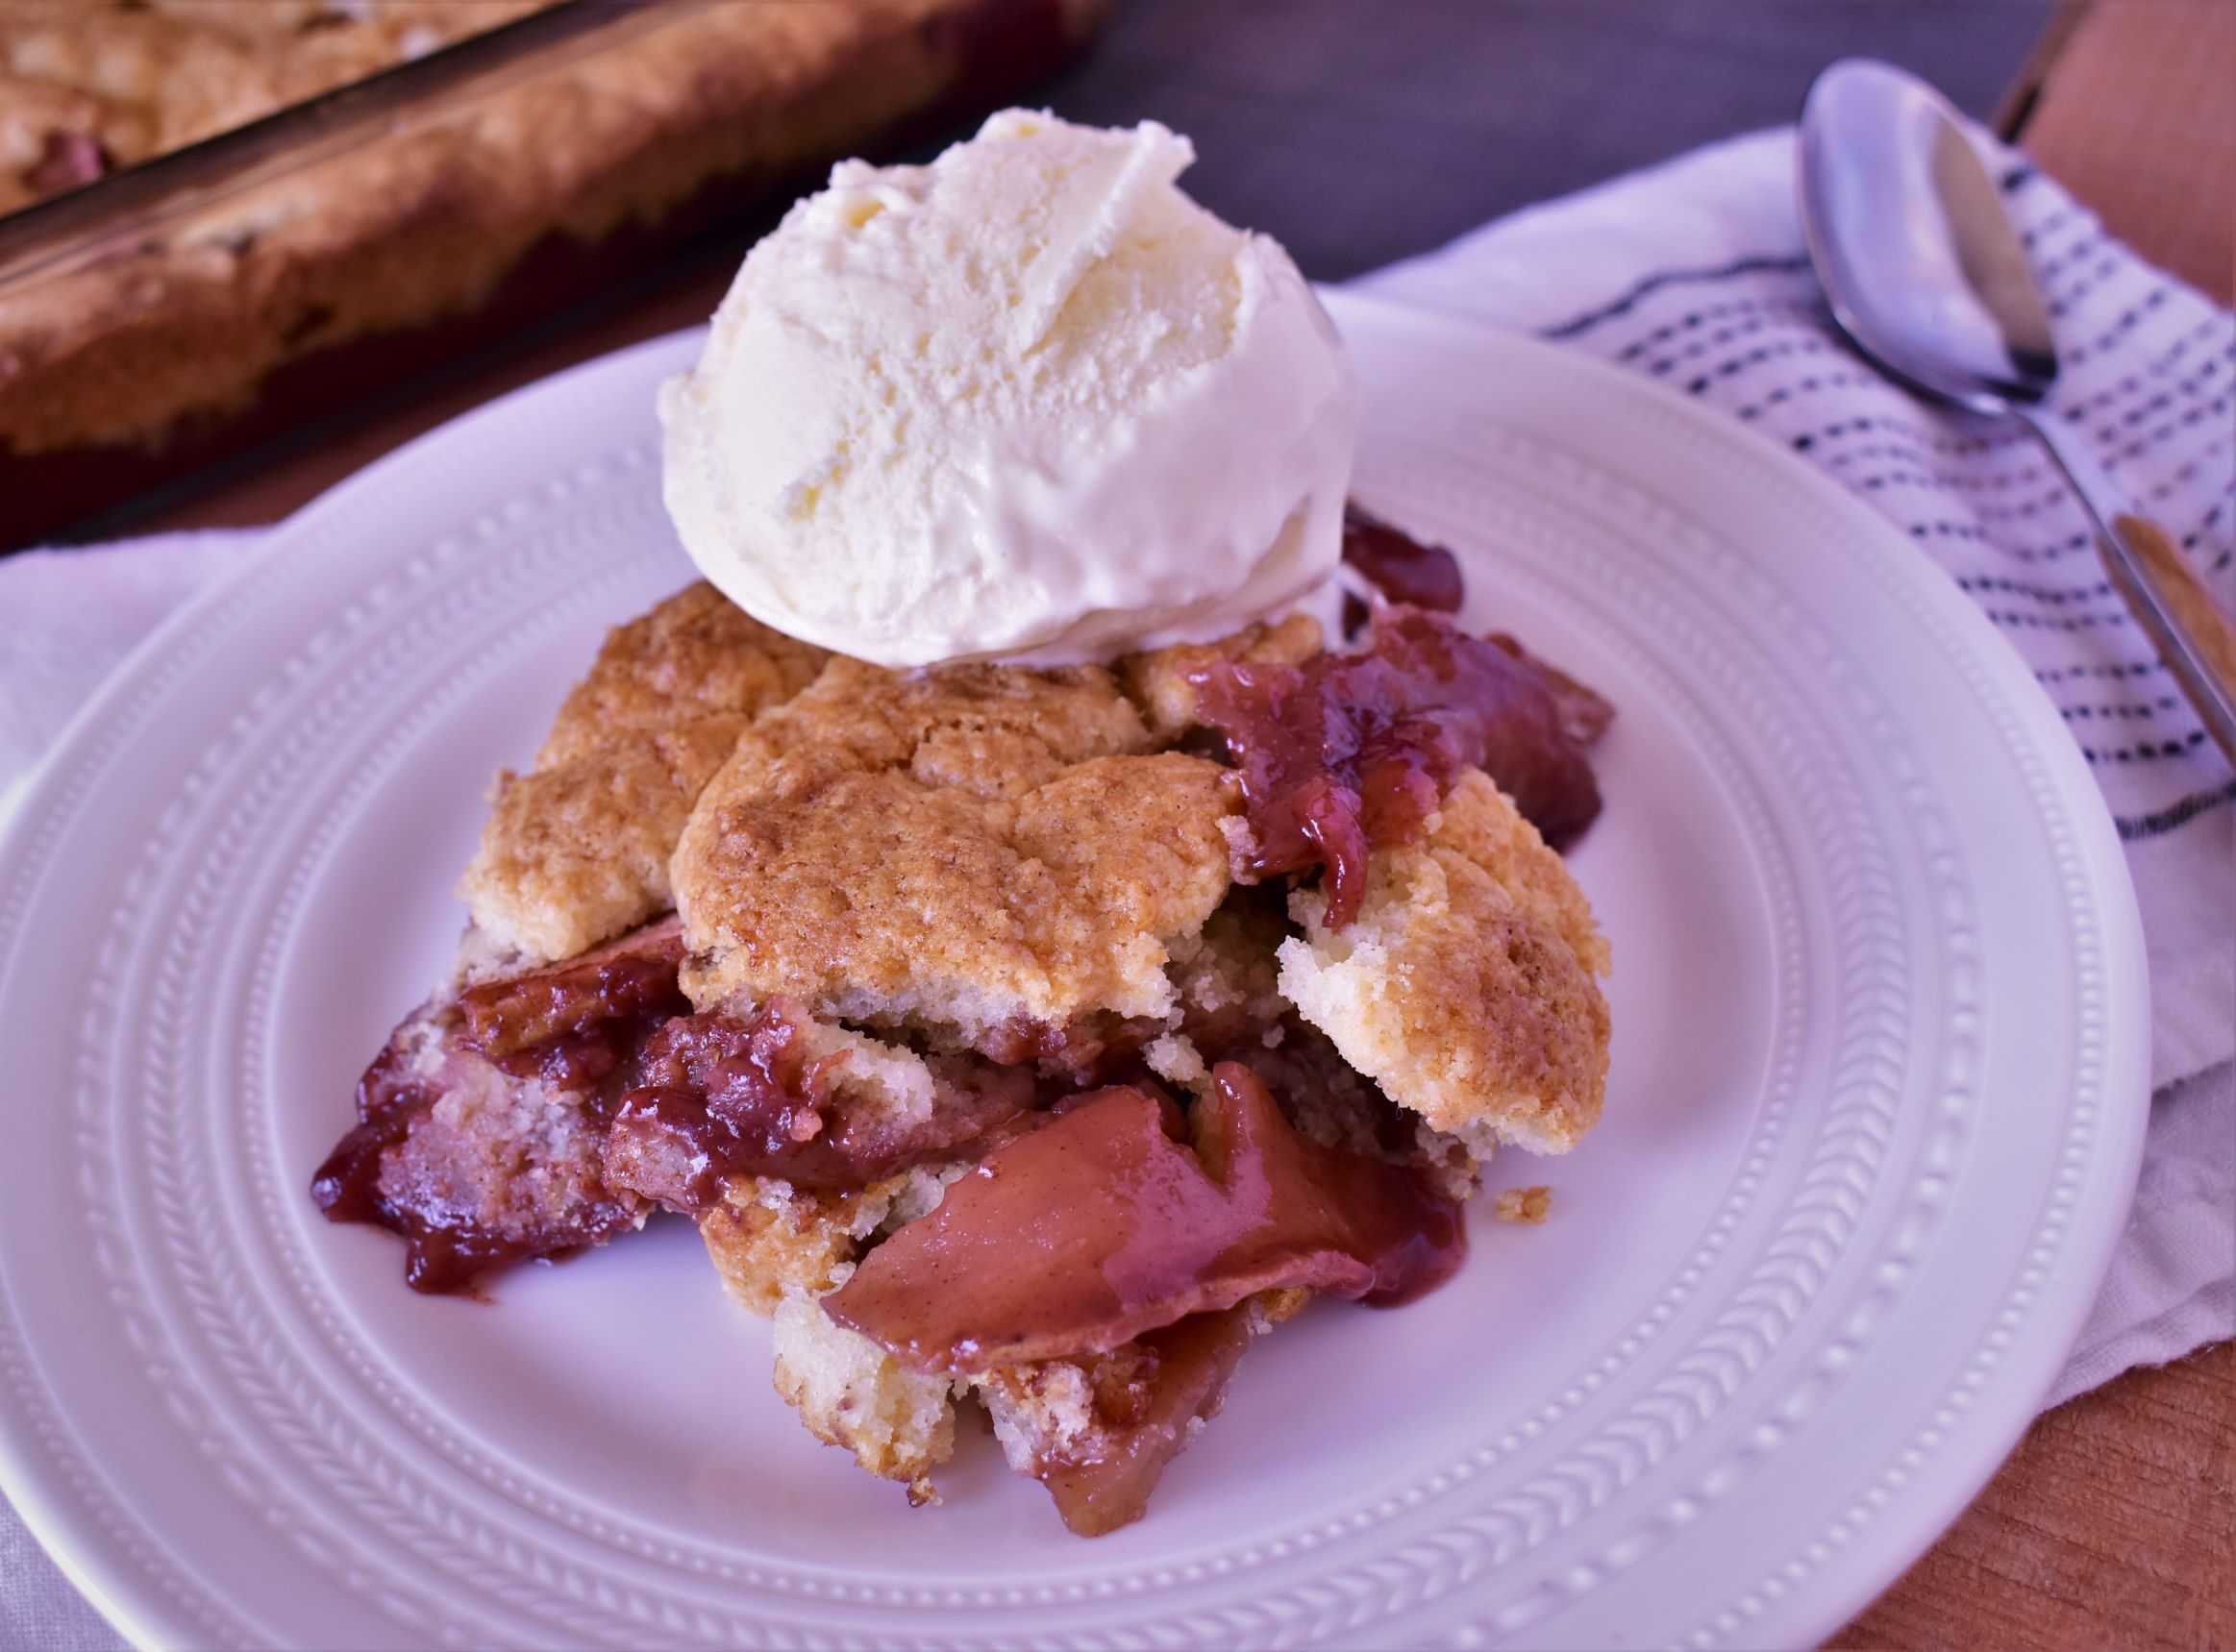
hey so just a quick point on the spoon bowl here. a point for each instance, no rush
(1927, 277)
(1909, 234)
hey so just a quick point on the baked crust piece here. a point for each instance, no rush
(576, 851)
(964, 849)
(1466, 986)
(850, 1392)
(1227, 981)
(779, 1250)
(768, 1239)
(1531, 1205)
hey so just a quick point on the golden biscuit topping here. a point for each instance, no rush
(576, 851)
(962, 849)
(1465, 985)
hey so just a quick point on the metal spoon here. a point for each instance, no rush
(1927, 278)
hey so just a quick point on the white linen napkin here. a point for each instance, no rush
(1693, 274)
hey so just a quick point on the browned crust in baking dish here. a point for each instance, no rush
(427, 224)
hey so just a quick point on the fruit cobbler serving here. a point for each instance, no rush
(1065, 893)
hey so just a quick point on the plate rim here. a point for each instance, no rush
(124, 1594)
(2127, 1084)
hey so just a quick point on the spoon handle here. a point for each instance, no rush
(2199, 645)
(2187, 628)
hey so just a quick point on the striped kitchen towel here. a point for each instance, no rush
(1694, 274)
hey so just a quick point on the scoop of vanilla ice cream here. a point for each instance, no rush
(1028, 402)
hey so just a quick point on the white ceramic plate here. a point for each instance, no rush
(1878, 1097)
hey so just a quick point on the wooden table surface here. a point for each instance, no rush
(2114, 1522)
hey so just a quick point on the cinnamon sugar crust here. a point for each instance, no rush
(961, 848)
(576, 851)
(1466, 986)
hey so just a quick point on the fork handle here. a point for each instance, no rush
(2172, 604)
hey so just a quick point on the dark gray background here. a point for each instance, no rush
(1363, 131)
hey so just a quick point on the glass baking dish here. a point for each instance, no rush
(177, 314)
